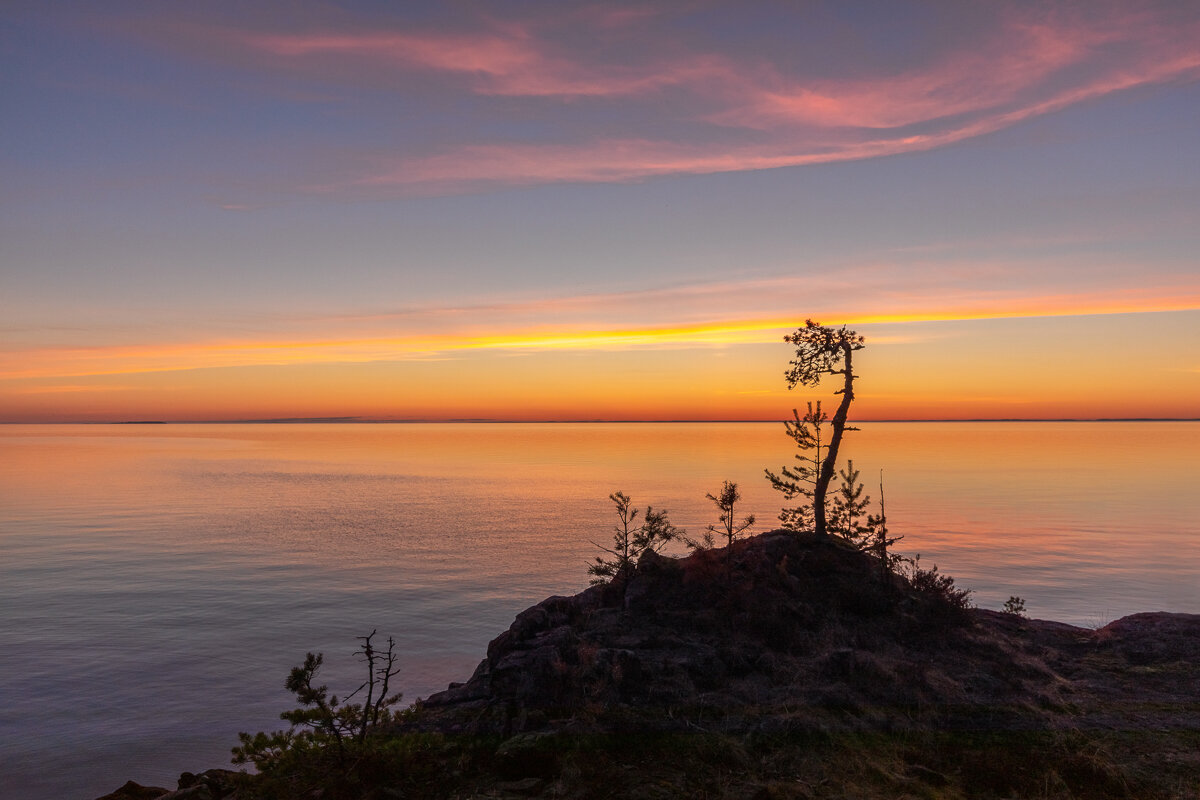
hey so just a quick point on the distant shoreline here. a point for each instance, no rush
(360, 421)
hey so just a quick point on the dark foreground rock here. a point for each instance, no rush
(808, 637)
(212, 784)
(135, 791)
(797, 670)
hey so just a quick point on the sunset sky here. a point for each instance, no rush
(549, 210)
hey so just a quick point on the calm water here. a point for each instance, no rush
(157, 582)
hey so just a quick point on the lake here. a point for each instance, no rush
(157, 582)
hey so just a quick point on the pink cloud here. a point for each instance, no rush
(1008, 77)
(683, 107)
(511, 61)
(489, 55)
(961, 82)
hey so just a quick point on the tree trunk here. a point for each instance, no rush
(839, 426)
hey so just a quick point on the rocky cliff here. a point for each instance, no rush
(789, 667)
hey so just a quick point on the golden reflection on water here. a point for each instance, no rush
(1027, 505)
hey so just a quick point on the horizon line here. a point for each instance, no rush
(489, 421)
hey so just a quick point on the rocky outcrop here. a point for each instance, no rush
(799, 640)
(786, 654)
(807, 634)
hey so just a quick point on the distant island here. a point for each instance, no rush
(490, 421)
(785, 666)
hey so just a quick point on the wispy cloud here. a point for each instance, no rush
(611, 322)
(67, 388)
(623, 95)
(512, 62)
(993, 73)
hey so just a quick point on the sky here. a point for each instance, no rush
(553, 210)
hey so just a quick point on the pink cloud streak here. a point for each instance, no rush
(511, 63)
(962, 82)
(727, 110)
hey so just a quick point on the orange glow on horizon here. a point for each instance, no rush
(75, 362)
(1052, 358)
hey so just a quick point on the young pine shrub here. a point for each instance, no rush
(938, 587)
(728, 526)
(800, 479)
(331, 741)
(630, 540)
(1014, 605)
(880, 541)
(848, 516)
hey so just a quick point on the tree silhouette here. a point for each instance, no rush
(328, 735)
(604, 569)
(849, 516)
(822, 351)
(1014, 605)
(630, 542)
(655, 532)
(801, 480)
(728, 526)
(726, 502)
(879, 540)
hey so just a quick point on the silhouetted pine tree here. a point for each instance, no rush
(630, 542)
(728, 526)
(655, 532)
(848, 515)
(880, 541)
(329, 737)
(800, 480)
(822, 351)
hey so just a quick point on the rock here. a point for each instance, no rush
(135, 791)
(525, 786)
(197, 792)
(1158, 638)
(681, 632)
(528, 755)
(212, 784)
(928, 776)
(808, 636)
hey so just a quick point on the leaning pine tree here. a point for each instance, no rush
(820, 351)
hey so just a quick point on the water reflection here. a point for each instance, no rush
(158, 581)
